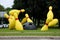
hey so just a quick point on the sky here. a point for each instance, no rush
(6, 3)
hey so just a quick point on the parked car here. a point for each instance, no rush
(3, 25)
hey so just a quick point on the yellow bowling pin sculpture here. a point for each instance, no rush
(49, 15)
(18, 25)
(49, 18)
(14, 11)
(12, 14)
(49, 21)
(6, 15)
(44, 28)
(17, 11)
(28, 19)
(22, 10)
(11, 20)
(24, 20)
(53, 22)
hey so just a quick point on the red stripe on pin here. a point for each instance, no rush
(16, 19)
(46, 23)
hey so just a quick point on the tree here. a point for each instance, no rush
(8, 9)
(19, 4)
(38, 8)
(58, 13)
(1, 8)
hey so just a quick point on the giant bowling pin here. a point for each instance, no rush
(12, 14)
(49, 15)
(11, 20)
(53, 22)
(18, 25)
(17, 11)
(6, 15)
(49, 18)
(28, 19)
(44, 28)
(14, 11)
(24, 20)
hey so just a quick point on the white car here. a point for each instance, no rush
(4, 26)
(1, 26)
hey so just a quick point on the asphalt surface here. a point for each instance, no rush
(29, 37)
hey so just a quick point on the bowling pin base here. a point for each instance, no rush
(18, 25)
(44, 28)
(11, 27)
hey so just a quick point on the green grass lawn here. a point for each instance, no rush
(38, 32)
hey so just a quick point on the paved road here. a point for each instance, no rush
(29, 37)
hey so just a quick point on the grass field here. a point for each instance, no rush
(38, 32)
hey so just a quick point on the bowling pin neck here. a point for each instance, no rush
(27, 17)
(50, 10)
(15, 15)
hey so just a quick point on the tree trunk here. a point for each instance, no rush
(38, 25)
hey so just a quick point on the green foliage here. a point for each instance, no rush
(8, 9)
(18, 4)
(38, 8)
(1, 8)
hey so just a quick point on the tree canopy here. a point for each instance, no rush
(38, 8)
(1, 8)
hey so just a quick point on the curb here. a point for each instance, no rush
(29, 37)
